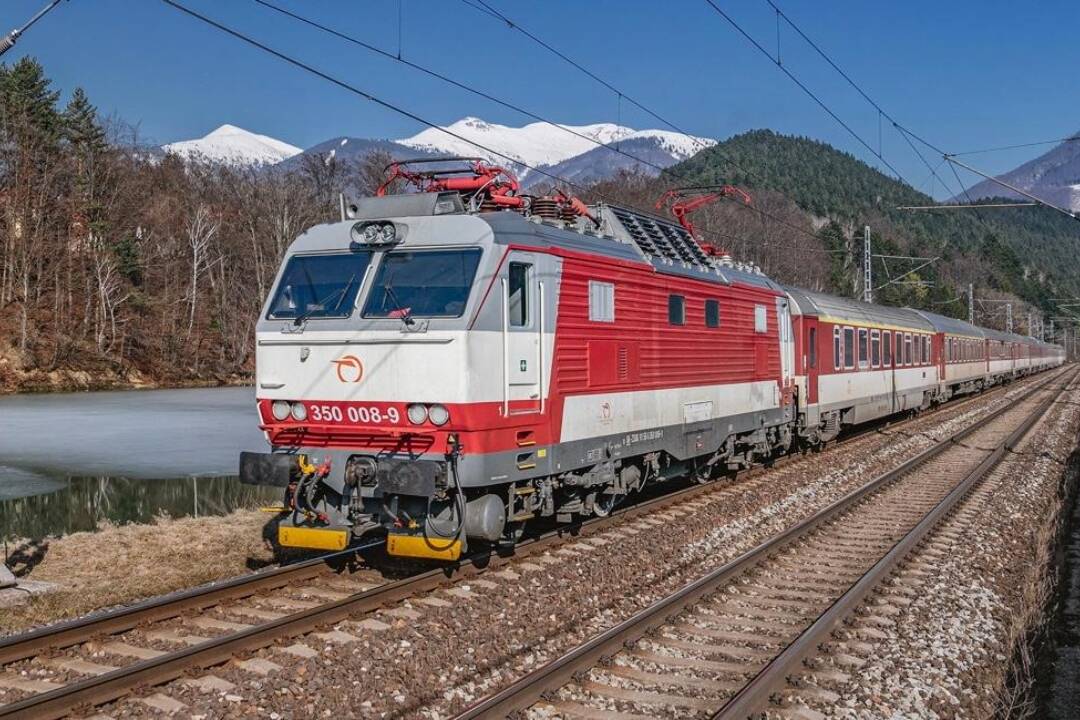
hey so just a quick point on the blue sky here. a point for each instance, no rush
(963, 74)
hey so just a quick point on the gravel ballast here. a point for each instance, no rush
(432, 656)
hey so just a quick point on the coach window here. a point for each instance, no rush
(875, 348)
(712, 313)
(907, 348)
(863, 350)
(926, 349)
(886, 345)
(812, 360)
(601, 301)
(849, 347)
(676, 309)
(898, 356)
(518, 290)
(837, 347)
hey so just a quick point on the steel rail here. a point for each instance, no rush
(756, 693)
(529, 689)
(117, 683)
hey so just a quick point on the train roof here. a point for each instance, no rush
(832, 308)
(623, 233)
(952, 326)
(628, 234)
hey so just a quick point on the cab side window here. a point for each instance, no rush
(518, 290)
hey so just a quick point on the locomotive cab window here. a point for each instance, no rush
(518, 294)
(319, 286)
(812, 350)
(849, 348)
(601, 301)
(422, 283)
(837, 348)
(676, 309)
(712, 313)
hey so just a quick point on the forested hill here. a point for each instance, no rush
(1026, 253)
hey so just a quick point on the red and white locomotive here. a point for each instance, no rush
(449, 364)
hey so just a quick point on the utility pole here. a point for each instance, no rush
(971, 303)
(1008, 317)
(868, 283)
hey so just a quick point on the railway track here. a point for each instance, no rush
(238, 616)
(725, 645)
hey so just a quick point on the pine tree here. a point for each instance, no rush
(28, 115)
(80, 126)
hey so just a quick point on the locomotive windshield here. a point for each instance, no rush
(319, 286)
(424, 283)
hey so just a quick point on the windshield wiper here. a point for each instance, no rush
(340, 292)
(406, 314)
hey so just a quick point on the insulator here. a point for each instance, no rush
(546, 208)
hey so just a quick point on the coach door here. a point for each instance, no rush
(810, 356)
(522, 334)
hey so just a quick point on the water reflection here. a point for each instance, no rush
(81, 503)
(70, 460)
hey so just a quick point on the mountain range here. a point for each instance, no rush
(1054, 177)
(575, 153)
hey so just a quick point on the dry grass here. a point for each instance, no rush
(121, 564)
(1016, 697)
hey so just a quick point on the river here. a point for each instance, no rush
(69, 461)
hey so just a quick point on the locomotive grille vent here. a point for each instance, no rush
(660, 239)
(623, 366)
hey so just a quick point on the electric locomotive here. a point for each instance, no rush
(449, 364)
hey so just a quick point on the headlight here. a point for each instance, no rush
(280, 409)
(371, 233)
(388, 233)
(299, 412)
(417, 413)
(438, 414)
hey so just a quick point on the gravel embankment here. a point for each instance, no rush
(972, 595)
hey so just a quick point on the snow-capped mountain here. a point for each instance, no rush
(542, 144)
(234, 146)
(1053, 176)
(579, 153)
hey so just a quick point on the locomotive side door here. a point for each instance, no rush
(523, 298)
(787, 345)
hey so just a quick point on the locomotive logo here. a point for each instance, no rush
(349, 369)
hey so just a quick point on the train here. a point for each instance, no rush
(450, 363)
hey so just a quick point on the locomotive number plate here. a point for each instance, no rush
(355, 414)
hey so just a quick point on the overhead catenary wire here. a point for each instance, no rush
(1000, 148)
(813, 96)
(529, 113)
(358, 91)
(386, 104)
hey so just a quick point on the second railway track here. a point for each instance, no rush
(722, 646)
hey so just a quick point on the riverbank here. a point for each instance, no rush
(121, 564)
(14, 381)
